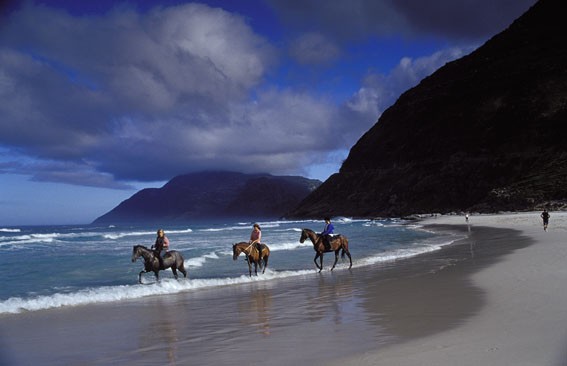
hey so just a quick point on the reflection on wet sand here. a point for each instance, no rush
(161, 336)
(255, 311)
(330, 299)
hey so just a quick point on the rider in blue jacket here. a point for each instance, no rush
(327, 231)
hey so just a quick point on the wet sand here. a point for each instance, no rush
(390, 314)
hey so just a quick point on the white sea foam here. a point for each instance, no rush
(289, 246)
(228, 228)
(125, 292)
(397, 254)
(28, 239)
(6, 230)
(200, 261)
(114, 236)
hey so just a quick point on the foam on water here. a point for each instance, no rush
(7, 230)
(127, 292)
(200, 261)
(115, 236)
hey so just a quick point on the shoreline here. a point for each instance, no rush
(418, 310)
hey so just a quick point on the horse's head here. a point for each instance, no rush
(303, 236)
(235, 252)
(136, 252)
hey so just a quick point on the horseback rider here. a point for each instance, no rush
(161, 246)
(327, 231)
(255, 238)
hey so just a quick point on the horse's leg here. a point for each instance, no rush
(336, 258)
(320, 264)
(174, 270)
(182, 270)
(256, 268)
(265, 264)
(156, 273)
(140, 276)
(345, 250)
(249, 267)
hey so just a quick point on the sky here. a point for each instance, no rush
(99, 99)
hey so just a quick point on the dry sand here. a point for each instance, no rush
(524, 318)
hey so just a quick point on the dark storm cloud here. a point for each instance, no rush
(469, 19)
(450, 19)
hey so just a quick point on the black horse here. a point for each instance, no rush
(172, 259)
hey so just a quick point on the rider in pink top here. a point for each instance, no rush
(256, 237)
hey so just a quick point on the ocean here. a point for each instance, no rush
(47, 267)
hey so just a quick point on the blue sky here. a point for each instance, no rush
(99, 99)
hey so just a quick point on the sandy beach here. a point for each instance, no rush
(524, 318)
(494, 297)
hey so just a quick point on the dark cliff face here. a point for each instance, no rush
(213, 195)
(487, 132)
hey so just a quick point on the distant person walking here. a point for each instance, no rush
(467, 217)
(545, 217)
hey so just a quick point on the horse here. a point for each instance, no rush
(252, 255)
(172, 259)
(337, 242)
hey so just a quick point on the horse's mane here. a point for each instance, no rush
(309, 231)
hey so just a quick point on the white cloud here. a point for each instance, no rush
(146, 96)
(378, 92)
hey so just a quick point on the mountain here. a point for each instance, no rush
(213, 195)
(486, 133)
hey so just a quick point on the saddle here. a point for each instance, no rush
(327, 243)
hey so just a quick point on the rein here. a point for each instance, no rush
(249, 251)
(146, 252)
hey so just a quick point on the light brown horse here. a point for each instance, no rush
(252, 255)
(337, 242)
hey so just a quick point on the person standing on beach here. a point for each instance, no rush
(545, 216)
(327, 231)
(255, 239)
(467, 217)
(161, 246)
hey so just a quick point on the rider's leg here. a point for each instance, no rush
(160, 255)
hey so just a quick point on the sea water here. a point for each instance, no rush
(45, 267)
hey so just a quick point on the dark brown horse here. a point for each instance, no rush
(337, 242)
(252, 255)
(172, 259)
